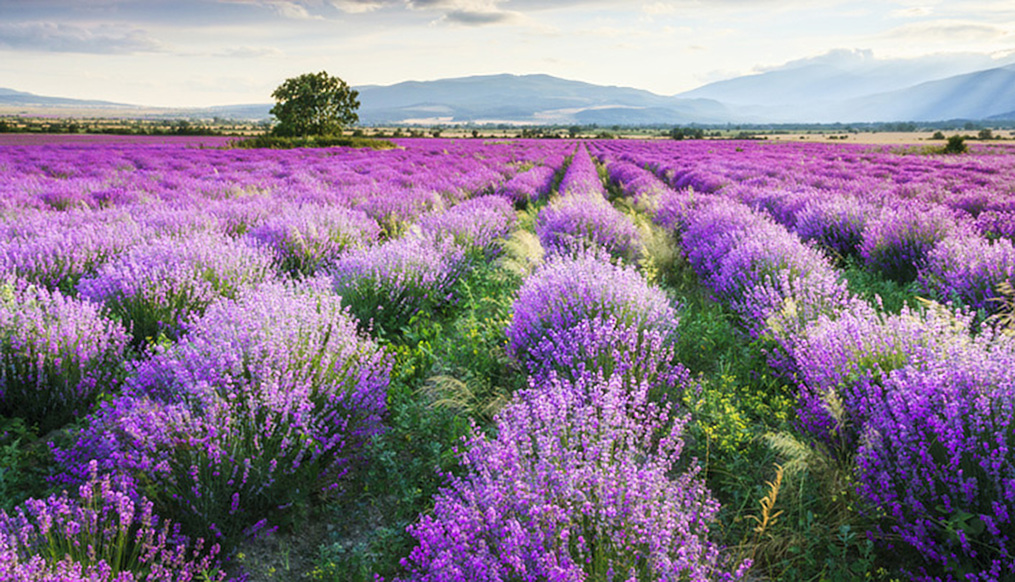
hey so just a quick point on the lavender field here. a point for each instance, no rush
(465, 360)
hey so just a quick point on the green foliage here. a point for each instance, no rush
(314, 104)
(873, 287)
(277, 142)
(956, 145)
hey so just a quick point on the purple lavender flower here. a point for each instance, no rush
(579, 484)
(389, 283)
(937, 462)
(583, 314)
(477, 224)
(528, 186)
(157, 286)
(969, 269)
(57, 354)
(836, 224)
(897, 242)
(103, 534)
(307, 239)
(260, 406)
(573, 223)
(581, 176)
(996, 224)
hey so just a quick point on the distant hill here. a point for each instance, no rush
(813, 91)
(979, 95)
(14, 98)
(854, 90)
(535, 99)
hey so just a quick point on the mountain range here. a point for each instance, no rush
(807, 92)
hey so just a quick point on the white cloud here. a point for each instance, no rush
(74, 38)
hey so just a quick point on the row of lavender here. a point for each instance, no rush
(580, 480)
(236, 376)
(946, 222)
(919, 407)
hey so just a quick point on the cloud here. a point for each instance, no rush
(948, 30)
(291, 9)
(480, 17)
(249, 52)
(73, 38)
(358, 6)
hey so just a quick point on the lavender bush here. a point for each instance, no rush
(477, 225)
(385, 285)
(897, 242)
(528, 186)
(969, 269)
(103, 534)
(583, 315)
(57, 354)
(937, 464)
(260, 406)
(581, 177)
(580, 483)
(836, 224)
(307, 239)
(573, 223)
(155, 287)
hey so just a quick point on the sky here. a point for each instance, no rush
(194, 53)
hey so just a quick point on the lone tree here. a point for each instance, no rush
(314, 104)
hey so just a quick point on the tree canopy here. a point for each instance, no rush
(314, 104)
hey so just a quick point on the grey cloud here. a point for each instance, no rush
(479, 17)
(71, 38)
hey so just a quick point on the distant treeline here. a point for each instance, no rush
(128, 127)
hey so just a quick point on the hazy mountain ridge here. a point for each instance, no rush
(811, 91)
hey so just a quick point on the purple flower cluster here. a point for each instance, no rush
(577, 485)
(387, 284)
(760, 269)
(996, 224)
(969, 269)
(56, 249)
(937, 462)
(57, 354)
(635, 181)
(259, 406)
(898, 241)
(478, 224)
(306, 239)
(836, 224)
(529, 186)
(103, 534)
(581, 177)
(155, 287)
(574, 223)
(584, 315)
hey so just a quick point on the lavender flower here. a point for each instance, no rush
(583, 314)
(897, 242)
(969, 269)
(103, 534)
(389, 283)
(57, 354)
(307, 239)
(260, 406)
(573, 223)
(477, 224)
(579, 484)
(836, 224)
(937, 463)
(528, 186)
(581, 176)
(157, 286)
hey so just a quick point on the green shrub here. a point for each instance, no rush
(277, 142)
